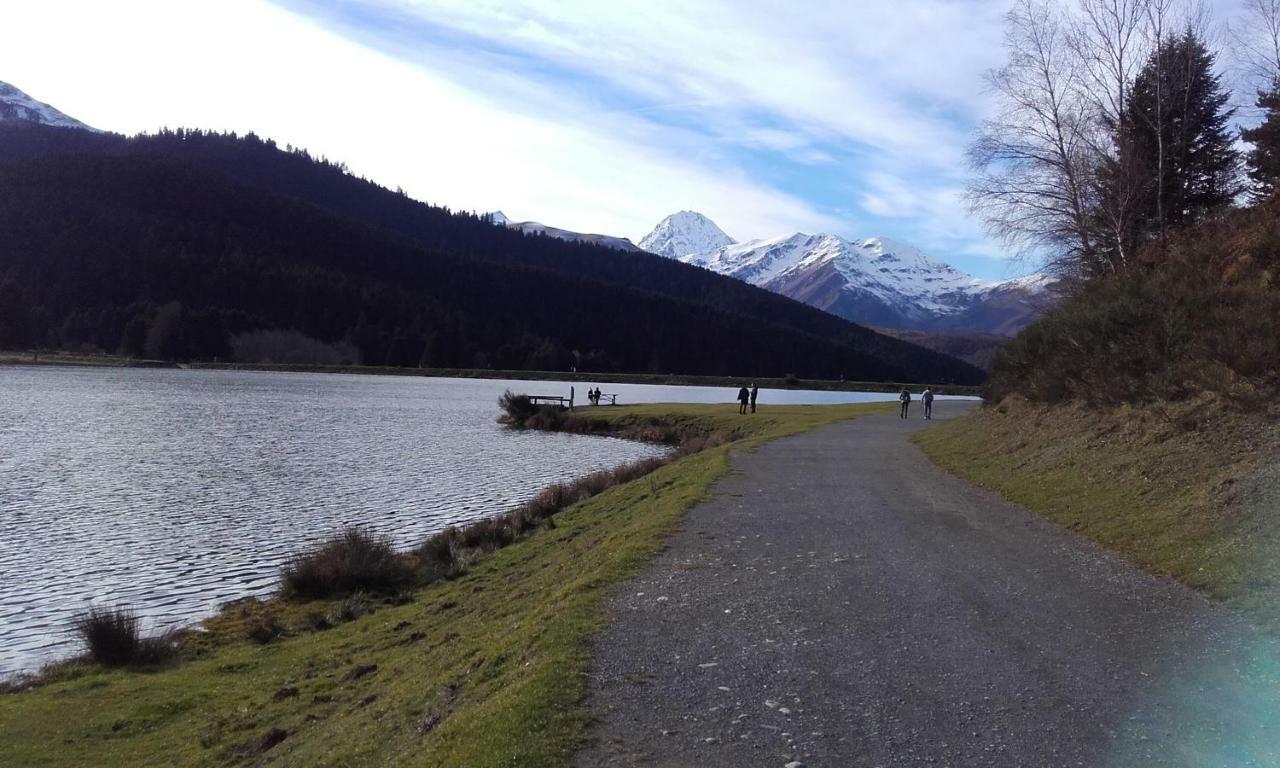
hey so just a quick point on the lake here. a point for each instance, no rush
(175, 491)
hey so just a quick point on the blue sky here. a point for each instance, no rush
(845, 117)
(858, 116)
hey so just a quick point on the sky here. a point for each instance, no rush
(770, 118)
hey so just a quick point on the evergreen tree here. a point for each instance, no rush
(1177, 132)
(1264, 158)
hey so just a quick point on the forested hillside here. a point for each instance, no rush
(189, 245)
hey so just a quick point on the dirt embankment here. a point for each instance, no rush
(1191, 490)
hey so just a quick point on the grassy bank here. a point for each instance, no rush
(1190, 490)
(726, 382)
(483, 670)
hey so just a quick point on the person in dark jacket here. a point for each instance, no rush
(755, 391)
(744, 396)
(927, 399)
(905, 399)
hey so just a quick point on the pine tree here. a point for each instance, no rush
(1177, 130)
(1264, 158)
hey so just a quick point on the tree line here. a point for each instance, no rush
(1114, 128)
(190, 245)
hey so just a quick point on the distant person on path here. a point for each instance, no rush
(905, 399)
(927, 399)
(744, 396)
(754, 392)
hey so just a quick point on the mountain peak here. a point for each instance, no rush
(16, 106)
(685, 233)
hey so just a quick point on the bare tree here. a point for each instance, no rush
(1256, 39)
(1034, 161)
(1108, 38)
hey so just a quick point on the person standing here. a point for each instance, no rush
(927, 399)
(905, 399)
(755, 391)
(743, 397)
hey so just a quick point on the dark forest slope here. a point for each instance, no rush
(101, 235)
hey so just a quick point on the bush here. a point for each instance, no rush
(110, 635)
(1200, 316)
(113, 638)
(487, 534)
(1166, 335)
(355, 559)
(350, 608)
(440, 556)
(516, 409)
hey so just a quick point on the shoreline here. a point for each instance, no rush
(656, 379)
(500, 649)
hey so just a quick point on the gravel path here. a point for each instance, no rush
(840, 601)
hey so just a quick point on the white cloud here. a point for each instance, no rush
(244, 65)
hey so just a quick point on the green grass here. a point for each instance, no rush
(487, 670)
(1175, 492)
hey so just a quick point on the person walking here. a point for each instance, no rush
(755, 391)
(744, 395)
(927, 399)
(905, 399)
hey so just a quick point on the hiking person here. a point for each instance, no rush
(905, 399)
(754, 392)
(744, 395)
(927, 399)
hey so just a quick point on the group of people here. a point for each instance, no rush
(926, 397)
(593, 396)
(747, 396)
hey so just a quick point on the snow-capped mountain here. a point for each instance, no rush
(875, 281)
(16, 106)
(683, 234)
(535, 228)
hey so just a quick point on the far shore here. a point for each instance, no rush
(588, 377)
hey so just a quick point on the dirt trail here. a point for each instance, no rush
(840, 601)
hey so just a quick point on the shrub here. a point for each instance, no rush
(113, 638)
(110, 635)
(350, 608)
(1200, 316)
(516, 409)
(487, 534)
(263, 629)
(440, 556)
(355, 559)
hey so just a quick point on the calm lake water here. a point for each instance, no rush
(175, 491)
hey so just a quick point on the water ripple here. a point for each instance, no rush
(176, 491)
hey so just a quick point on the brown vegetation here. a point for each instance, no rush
(1202, 316)
(113, 638)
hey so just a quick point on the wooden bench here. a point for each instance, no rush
(563, 402)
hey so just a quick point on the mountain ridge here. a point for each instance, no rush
(876, 281)
(17, 106)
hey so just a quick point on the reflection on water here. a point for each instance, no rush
(175, 491)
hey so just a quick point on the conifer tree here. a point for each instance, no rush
(1178, 134)
(1264, 158)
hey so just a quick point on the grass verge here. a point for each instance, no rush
(484, 670)
(1192, 492)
